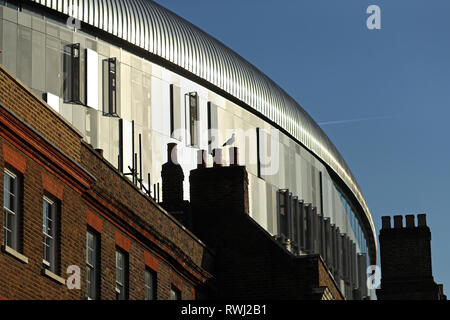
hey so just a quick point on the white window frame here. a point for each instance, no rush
(8, 213)
(121, 269)
(49, 262)
(92, 266)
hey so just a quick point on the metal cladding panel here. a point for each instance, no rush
(150, 26)
(362, 273)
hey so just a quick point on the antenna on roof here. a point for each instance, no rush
(136, 175)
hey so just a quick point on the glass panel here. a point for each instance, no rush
(7, 234)
(38, 61)
(90, 249)
(53, 62)
(150, 285)
(146, 101)
(175, 294)
(89, 281)
(147, 285)
(24, 55)
(136, 97)
(9, 46)
(48, 227)
(119, 267)
(91, 264)
(8, 197)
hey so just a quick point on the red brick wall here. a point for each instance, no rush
(25, 281)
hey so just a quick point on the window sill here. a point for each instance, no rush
(53, 276)
(15, 254)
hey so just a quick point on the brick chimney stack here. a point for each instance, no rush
(172, 177)
(219, 188)
(172, 188)
(234, 156)
(406, 260)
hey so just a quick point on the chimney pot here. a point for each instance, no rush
(398, 222)
(422, 220)
(201, 161)
(410, 221)
(386, 222)
(100, 152)
(234, 156)
(217, 157)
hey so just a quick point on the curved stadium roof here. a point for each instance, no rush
(148, 25)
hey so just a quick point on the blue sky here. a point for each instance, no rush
(397, 79)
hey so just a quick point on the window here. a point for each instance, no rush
(175, 293)
(112, 87)
(302, 226)
(322, 244)
(328, 243)
(212, 127)
(110, 103)
(150, 284)
(362, 267)
(192, 114)
(92, 265)
(295, 221)
(172, 112)
(11, 210)
(321, 192)
(49, 225)
(315, 231)
(72, 73)
(258, 152)
(309, 243)
(121, 275)
(262, 155)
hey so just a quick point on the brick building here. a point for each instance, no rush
(63, 200)
(406, 261)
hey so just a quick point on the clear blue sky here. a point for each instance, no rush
(322, 54)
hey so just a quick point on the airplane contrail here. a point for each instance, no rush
(353, 120)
